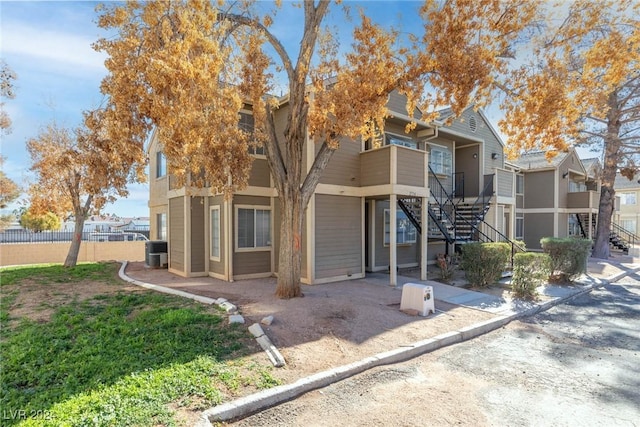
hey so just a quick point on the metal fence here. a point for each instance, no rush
(23, 236)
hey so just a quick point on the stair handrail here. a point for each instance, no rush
(487, 190)
(630, 237)
(448, 203)
(514, 246)
(584, 234)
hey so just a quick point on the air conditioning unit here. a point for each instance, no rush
(419, 297)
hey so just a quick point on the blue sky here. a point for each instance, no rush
(48, 45)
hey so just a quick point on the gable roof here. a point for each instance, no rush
(447, 113)
(535, 160)
(624, 183)
(592, 166)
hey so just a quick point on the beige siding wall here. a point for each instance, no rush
(41, 253)
(563, 225)
(374, 167)
(260, 176)
(344, 166)
(218, 266)
(406, 254)
(197, 235)
(251, 263)
(540, 189)
(176, 234)
(537, 226)
(411, 167)
(338, 236)
(398, 103)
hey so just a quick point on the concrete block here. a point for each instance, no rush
(236, 318)
(256, 330)
(228, 307)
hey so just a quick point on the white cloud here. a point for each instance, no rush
(67, 52)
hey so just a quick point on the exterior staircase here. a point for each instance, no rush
(619, 238)
(457, 222)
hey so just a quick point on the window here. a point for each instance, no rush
(161, 226)
(253, 228)
(519, 228)
(440, 160)
(519, 184)
(406, 232)
(215, 233)
(629, 225)
(577, 186)
(628, 198)
(247, 124)
(390, 139)
(161, 164)
(574, 226)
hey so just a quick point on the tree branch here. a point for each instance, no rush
(275, 43)
(313, 177)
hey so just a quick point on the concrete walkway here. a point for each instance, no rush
(600, 272)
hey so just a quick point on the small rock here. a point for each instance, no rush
(256, 330)
(410, 311)
(267, 321)
(236, 318)
(228, 307)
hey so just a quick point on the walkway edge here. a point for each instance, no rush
(162, 289)
(268, 398)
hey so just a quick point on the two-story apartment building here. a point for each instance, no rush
(627, 212)
(366, 214)
(556, 197)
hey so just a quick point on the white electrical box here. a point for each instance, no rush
(419, 297)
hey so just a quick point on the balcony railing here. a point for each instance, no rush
(583, 199)
(393, 164)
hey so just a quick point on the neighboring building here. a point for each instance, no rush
(366, 212)
(627, 212)
(557, 197)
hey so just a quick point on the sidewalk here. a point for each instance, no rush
(356, 325)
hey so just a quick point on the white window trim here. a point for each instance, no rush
(159, 228)
(521, 193)
(516, 228)
(235, 226)
(623, 198)
(406, 138)
(387, 213)
(211, 256)
(160, 154)
(442, 148)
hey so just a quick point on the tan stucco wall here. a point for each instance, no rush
(39, 253)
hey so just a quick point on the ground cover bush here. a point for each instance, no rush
(568, 257)
(114, 358)
(484, 263)
(530, 270)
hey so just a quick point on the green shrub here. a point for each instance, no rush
(568, 257)
(483, 263)
(530, 270)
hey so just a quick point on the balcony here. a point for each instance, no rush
(393, 165)
(583, 199)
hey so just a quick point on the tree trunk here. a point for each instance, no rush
(74, 249)
(290, 254)
(612, 145)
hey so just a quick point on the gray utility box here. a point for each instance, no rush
(156, 254)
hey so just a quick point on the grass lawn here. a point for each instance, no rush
(79, 347)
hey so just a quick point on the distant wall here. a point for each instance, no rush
(40, 253)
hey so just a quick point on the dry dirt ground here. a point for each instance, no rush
(333, 324)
